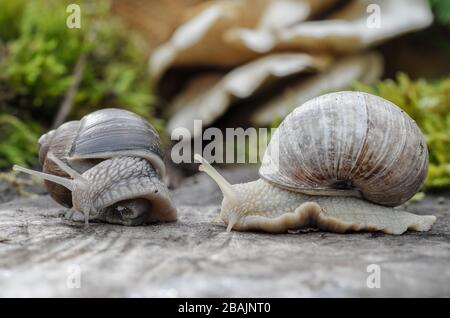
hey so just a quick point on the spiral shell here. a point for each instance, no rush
(100, 135)
(348, 143)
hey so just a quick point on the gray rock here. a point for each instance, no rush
(41, 254)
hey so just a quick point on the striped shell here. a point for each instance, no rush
(348, 143)
(100, 135)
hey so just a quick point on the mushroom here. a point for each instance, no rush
(265, 41)
(359, 25)
(208, 97)
(203, 40)
(366, 68)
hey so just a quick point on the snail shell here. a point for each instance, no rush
(338, 163)
(120, 155)
(348, 143)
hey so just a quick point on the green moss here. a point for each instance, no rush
(38, 54)
(428, 103)
(441, 10)
(18, 140)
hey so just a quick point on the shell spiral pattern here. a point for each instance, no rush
(348, 143)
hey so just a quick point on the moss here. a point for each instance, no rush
(441, 10)
(38, 55)
(18, 141)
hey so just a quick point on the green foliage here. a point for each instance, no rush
(20, 140)
(428, 103)
(38, 55)
(441, 10)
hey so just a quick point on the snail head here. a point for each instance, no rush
(233, 204)
(78, 185)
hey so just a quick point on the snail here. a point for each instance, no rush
(108, 166)
(340, 162)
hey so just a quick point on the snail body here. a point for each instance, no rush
(107, 166)
(339, 162)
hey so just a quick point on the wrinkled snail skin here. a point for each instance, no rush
(269, 208)
(109, 167)
(339, 162)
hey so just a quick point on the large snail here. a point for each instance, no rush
(107, 166)
(339, 162)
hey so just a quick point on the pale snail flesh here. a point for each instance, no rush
(109, 167)
(339, 162)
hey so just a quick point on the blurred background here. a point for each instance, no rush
(228, 62)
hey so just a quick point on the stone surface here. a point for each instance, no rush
(10, 191)
(40, 253)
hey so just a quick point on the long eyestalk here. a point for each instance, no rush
(65, 182)
(224, 185)
(59, 180)
(72, 173)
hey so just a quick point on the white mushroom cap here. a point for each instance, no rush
(353, 28)
(209, 97)
(203, 40)
(366, 68)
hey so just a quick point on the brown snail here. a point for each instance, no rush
(339, 162)
(108, 166)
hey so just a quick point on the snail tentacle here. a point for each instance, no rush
(223, 184)
(67, 183)
(71, 172)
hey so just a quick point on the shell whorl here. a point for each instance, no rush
(44, 143)
(112, 132)
(98, 136)
(348, 143)
(59, 141)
